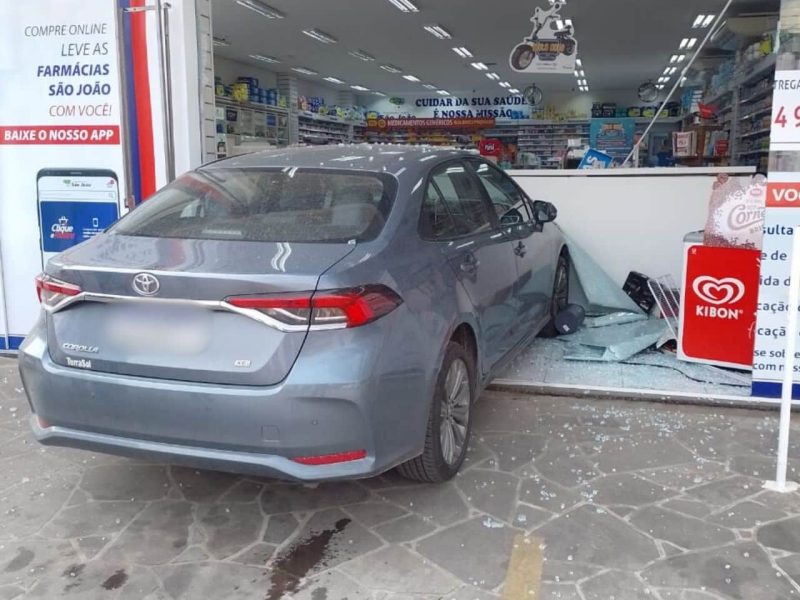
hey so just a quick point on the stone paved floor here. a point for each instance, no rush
(623, 501)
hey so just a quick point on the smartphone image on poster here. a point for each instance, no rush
(74, 205)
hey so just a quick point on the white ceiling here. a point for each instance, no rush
(621, 42)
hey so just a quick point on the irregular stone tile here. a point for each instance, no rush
(439, 502)
(330, 538)
(229, 528)
(298, 498)
(643, 453)
(506, 413)
(627, 489)
(158, 534)
(754, 465)
(126, 482)
(616, 585)
(565, 465)
(374, 513)
(529, 517)
(787, 503)
(388, 569)
(469, 592)
(191, 554)
(96, 579)
(545, 494)
(242, 491)
(91, 546)
(746, 515)
(791, 564)
(514, 449)
(476, 554)
(332, 585)
(681, 477)
(615, 543)
(621, 511)
(27, 507)
(726, 491)
(257, 555)
(405, 529)
(784, 535)
(562, 572)
(9, 592)
(202, 486)
(693, 508)
(22, 563)
(92, 518)
(214, 580)
(280, 528)
(670, 550)
(683, 531)
(477, 453)
(559, 591)
(693, 595)
(389, 479)
(739, 571)
(491, 492)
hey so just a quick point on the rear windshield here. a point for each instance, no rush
(266, 205)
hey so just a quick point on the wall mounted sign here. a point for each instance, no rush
(551, 46)
(512, 106)
(612, 136)
(389, 124)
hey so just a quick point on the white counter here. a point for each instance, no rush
(629, 219)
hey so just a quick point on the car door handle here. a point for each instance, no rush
(520, 249)
(470, 264)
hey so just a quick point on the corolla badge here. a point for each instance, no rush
(145, 284)
(727, 290)
(70, 347)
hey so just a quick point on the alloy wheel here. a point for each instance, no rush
(455, 412)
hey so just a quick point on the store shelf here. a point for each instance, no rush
(225, 101)
(758, 70)
(767, 91)
(754, 152)
(757, 113)
(755, 133)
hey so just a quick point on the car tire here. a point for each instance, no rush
(560, 296)
(451, 411)
(522, 57)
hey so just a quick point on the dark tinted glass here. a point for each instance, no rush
(266, 205)
(453, 204)
(508, 202)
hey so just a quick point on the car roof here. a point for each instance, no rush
(365, 157)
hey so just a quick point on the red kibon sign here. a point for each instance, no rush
(430, 123)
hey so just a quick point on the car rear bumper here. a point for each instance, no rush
(244, 429)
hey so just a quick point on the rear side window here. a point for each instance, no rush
(453, 205)
(508, 202)
(266, 205)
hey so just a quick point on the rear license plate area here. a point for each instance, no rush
(158, 329)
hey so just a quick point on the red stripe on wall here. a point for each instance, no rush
(144, 114)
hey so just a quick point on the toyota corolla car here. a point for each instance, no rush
(307, 313)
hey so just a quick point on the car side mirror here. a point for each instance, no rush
(544, 212)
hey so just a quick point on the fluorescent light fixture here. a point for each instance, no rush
(359, 88)
(505, 84)
(493, 76)
(577, 74)
(304, 71)
(443, 92)
(671, 70)
(583, 74)
(480, 66)
(360, 54)
(381, 94)
(684, 43)
(320, 36)
(462, 52)
(438, 31)
(391, 69)
(221, 42)
(673, 59)
(578, 62)
(681, 58)
(581, 82)
(688, 43)
(334, 80)
(660, 86)
(405, 5)
(568, 22)
(514, 91)
(410, 78)
(266, 59)
(691, 44)
(429, 86)
(698, 21)
(709, 20)
(683, 81)
(663, 79)
(263, 9)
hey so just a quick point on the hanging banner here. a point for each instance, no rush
(389, 124)
(551, 46)
(61, 159)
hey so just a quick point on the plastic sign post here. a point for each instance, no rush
(780, 484)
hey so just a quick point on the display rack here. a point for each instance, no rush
(239, 122)
(333, 129)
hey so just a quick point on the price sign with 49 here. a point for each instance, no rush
(785, 127)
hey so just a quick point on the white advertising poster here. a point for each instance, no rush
(550, 47)
(785, 130)
(61, 159)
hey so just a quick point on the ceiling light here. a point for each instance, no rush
(663, 79)
(334, 80)
(577, 74)
(673, 58)
(505, 84)
(582, 82)
(493, 76)
(660, 86)
(361, 55)
(666, 70)
(405, 5)
(320, 36)
(438, 31)
(410, 78)
(443, 92)
(671, 70)
(708, 21)
(586, 88)
(359, 88)
(691, 43)
(379, 94)
(684, 43)
(429, 86)
(681, 57)
(304, 71)
(583, 74)
(261, 8)
(578, 62)
(698, 21)
(480, 66)
(462, 52)
(221, 42)
(514, 91)
(266, 59)
(391, 69)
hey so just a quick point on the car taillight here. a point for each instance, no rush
(329, 309)
(52, 291)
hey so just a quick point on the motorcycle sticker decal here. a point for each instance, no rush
(551, 46)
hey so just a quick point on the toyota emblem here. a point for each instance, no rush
(145, 284)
